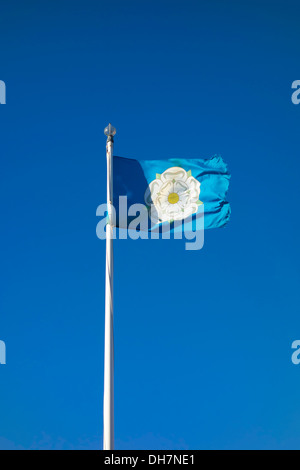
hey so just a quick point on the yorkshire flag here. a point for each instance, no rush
(173, 190)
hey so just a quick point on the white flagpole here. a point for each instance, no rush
(108, 401)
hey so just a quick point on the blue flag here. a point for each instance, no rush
(173, 190)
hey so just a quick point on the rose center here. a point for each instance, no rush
(173, 198)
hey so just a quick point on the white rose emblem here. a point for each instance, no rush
(173, 195)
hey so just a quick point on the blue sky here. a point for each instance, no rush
(202, 339)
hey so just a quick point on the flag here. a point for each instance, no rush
(173, 190)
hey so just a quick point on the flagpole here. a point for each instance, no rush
(108, 401)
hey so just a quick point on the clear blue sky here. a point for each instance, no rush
(202, 339)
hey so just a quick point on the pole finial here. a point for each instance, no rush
(110, 131)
